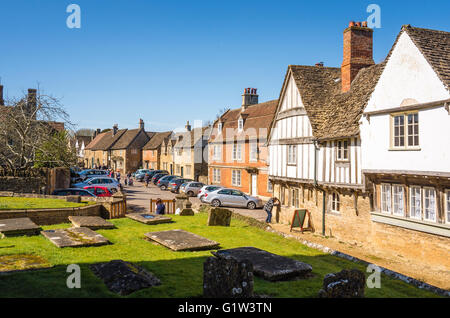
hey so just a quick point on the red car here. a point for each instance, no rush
(99, 191)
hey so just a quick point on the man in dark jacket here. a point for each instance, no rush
(268, 207)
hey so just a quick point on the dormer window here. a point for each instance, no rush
(240, 124)
(219, 127)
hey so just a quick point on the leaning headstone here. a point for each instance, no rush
(183, 205)
(269, 266)
(149, 218)
(123, 277)
(73, 198)
(19, 226)
(225, 277)
(75, 237)
(91, 222)
(219, 217)
(179, 240)
(345, 284)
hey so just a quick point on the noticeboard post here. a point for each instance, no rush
(298, 220)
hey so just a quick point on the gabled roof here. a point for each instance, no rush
(434, 46)
(190, 139)
(156, 141)
(108, 140)
(127, 138)
(95, 141)
(256, 117)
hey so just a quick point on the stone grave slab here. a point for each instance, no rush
(91, 222)
(22, 262)
(149, 218)
(19, 226)
(180, 240)
(123, 277)
(269, 266)
(75, 237)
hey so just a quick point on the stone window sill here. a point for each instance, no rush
(412, 224)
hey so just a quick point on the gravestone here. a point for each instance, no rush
(225, 277)
(219, 217)
(149, 218)
(91, 222)
(73, 198)
(183, 205)
(75, 237)
(269, 266)
(123, 277)
(22, 262)
(345, 284)
(19, 226)
(179, 240)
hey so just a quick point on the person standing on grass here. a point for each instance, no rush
(160, 207)
(268, 207)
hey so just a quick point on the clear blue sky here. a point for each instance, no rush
(172, 61)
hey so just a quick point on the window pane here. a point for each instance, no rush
(415, 203)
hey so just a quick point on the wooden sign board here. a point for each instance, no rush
(298, 220)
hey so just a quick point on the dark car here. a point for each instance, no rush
(163, 183)
(158, 176)
(140, 174)
(73, 191)
(174, 184)
(91, 173)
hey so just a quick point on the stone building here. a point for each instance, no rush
(238, 146)
(152, 151)
(166, 158)
(353, 172)
(190, 156)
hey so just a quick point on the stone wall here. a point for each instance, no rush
(23, 184)
(355, 226)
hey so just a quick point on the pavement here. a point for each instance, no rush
(138, 200)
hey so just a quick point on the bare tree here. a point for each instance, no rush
(27, 126)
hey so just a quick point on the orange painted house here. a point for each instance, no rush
(238, 153)
(151, 153)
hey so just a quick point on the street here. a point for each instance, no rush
(138, 200)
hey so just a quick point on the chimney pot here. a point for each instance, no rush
(358, 24)
(352, 23)
(2, 102)
(364, 24)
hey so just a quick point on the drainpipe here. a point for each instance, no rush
(316, 184)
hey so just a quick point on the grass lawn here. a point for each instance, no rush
(181, 273)
(13, 203)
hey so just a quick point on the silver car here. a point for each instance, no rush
(191, 189)
(207, 189)
(106, 182)
(232, 198)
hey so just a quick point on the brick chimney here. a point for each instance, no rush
(358, 52)
(188, 127)
(2, 101)
(115, 129)
(250, 97)
(31, 101)
(141, 124)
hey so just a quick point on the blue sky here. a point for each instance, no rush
(172, 61)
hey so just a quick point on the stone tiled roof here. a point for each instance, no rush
(108, 140)
(257, 118)
(334, 114)
(126, 139)
(192, 138)
(156, 141)
(435, 47)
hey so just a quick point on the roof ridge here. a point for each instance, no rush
(410, 27)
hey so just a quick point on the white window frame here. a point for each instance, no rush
(217, 152)
(292, 155)
(253, 156)
(335, 202)
(398, 200)
(386, 200)
(425, 189)
(237, 151)
(219, 128)
(413, 195)
(342, 150)
(216, 175)
(235, 181)
(240, 124)
(405, 135)
(447, 205)
(269, 186)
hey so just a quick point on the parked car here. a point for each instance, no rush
(73, 191)
(163, 183)
(207, 189)
(158, 176)
(191, 189)
(99, 191)
(232, 198)
(92, 173)
(140, 174)
(174, 184)
(107, 182)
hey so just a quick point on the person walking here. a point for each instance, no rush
(268, 207)
(160, 207)
(146, 179)
(118, 176)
